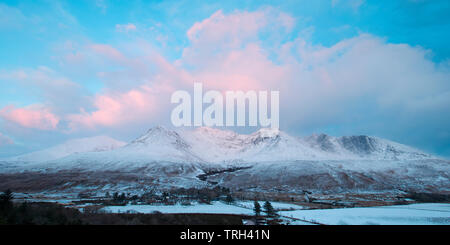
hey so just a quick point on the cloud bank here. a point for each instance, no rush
(362, 84)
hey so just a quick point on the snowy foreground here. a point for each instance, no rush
(215, 208)
(414, 214)
(244, 208)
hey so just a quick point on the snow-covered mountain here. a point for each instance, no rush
(158, 150)
(267, 158)
(218, 146)
(208, 145)
(160, 144)
(90, 144)
(364, 147)
(274, 145)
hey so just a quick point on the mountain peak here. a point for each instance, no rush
(157, 129)
(157, 134)
(265, 135)
(268, 132)
(216, 145)
(322, 141)
(208, 129)
(215, 132)
(359, 144)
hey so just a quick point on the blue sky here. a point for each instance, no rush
(73, 68)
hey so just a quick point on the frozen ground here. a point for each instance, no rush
(275, 205)
(414, 214)
(215, 208)
(242, 207)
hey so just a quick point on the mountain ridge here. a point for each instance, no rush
(266, 159)
(205, 144)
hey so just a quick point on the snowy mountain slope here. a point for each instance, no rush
(364, 147)
(265, 159)
(218, 146)
(275, 145)
(343, 175)
(90, 144)
(208, 146)
(214, 145)
(158, 148)
(161, 144)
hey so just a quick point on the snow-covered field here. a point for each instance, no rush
(215, 208)
(414, 214)
(276, 205)
(242, 207)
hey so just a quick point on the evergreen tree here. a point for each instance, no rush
(6, 202)
(6, 196)
(257, 208)
(229, 199)
(165, 195)
(269, 209)
(116, 197)
(122, 197)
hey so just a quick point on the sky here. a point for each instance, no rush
(71, 69)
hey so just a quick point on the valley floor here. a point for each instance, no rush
(288, 213)
(413, 214)
(347, 208)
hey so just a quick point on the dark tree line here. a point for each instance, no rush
(268, 209)
(35, 213)
(171, 197)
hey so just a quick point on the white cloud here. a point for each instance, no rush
(321, 84)
(362, 83)
(125, 27)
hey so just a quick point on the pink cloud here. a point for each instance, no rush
(226, 50)
(30, 117)
(108, 52)
(238, 25)
(223, 32)
(220, 26)
(116, 109)
(246, 69)
(226, 53)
